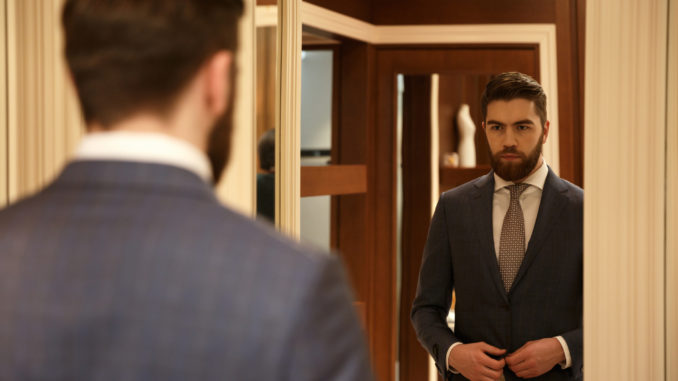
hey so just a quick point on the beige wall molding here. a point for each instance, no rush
(43, 121)
(288, 119)
(266, 15)
(624, 178)
(544, 35)
(672, 198)
(3, 106)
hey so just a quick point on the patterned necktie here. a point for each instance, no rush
(512, 240)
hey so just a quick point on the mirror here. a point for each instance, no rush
(266, 19)
(379, 231)
(317, 122)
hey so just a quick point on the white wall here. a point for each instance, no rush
(316, 99)
(316, 133)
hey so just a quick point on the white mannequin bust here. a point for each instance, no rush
(467, 130)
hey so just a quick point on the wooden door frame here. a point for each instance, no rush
(390, 61)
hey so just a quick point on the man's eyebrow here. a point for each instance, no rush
(494, 122)
(524, 121)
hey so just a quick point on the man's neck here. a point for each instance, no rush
(153, 124)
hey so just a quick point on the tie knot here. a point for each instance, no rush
(517, 189)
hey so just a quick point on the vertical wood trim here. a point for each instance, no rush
(435, 142)
(3, 106)
(548, 71)
(12, 103)
(288, 115)
(672, 198)
(42, 124)
(435, 175)
(266, 15)
(238, 186)
(624, 216)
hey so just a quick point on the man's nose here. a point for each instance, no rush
(509, 138)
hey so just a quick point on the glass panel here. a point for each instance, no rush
(315, 221)
(316, 139)
(316, 106)
(266, 20)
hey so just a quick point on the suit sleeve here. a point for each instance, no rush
(574, 338)
(574, 341)
(434, 292)
(326, 341)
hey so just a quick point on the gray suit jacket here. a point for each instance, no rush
(545, 299)
(131, 271)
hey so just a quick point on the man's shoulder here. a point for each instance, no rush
(473, 187)
(573, 192)
(186, 225)
(248, 240)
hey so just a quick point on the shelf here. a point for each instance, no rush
(451, 177)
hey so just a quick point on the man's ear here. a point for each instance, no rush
(218, 87)
(546, 132)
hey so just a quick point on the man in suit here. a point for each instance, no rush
(510, 244)
(126, 267)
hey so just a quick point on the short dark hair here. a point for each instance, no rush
(512, 85)
(266, 149)
(126, 56)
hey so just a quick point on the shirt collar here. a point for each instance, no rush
(147, 147)
(537, 179)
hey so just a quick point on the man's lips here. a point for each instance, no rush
(509, 156)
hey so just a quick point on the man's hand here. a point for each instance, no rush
(536, 358)
(473, 362)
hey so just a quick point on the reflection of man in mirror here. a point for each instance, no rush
(510, 244)
(266, 178)
(127, 267)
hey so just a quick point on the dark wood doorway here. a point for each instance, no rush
(461, 70)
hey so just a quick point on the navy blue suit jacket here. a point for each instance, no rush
(131, 271)
(545, 299)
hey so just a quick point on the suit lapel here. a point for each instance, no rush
(481, 206)
(551, 206)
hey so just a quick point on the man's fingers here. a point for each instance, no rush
(492, 363)
(520, 367)
(527, 374)
(487, 348)
(516, 357)
(491, 374)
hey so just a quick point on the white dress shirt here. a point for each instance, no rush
(529, 200)
(146, 147)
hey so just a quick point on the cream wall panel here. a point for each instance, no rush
(672, 199)
(3, 104)
(237, 187)
(12, 101)
(43, 124)
(288, 117)
(265, 15)
(624, 178)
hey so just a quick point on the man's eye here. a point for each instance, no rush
(495, 127)
(523, 127)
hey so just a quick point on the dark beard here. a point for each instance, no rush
(219, 145)
(219, 140)
(516, 171)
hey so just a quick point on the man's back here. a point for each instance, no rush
(129, 271)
